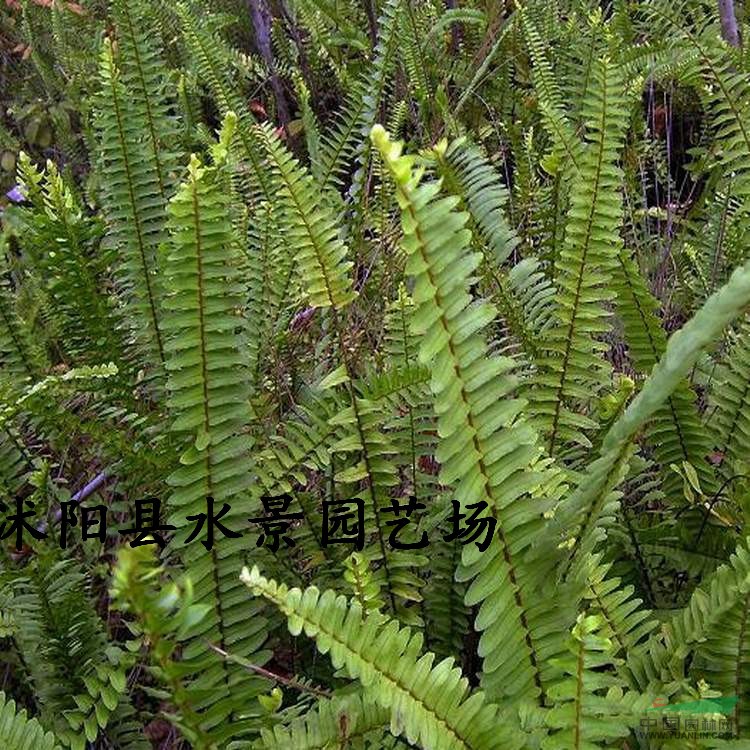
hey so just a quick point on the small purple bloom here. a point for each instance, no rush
(16, 195)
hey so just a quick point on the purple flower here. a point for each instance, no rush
(16, 195)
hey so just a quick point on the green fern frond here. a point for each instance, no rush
(20, 357)
(522, 292)
(591, 707)
(135, 205)
(208, 397)
(143, 74)
(320, 253)
(584, 507)
(675, 433)
(623, 621)
(17, 732)
(428, 704)
(732, 399)
(719, 603)
(571, 368)
(567, 149)
(63, 246)
(486, 449)
(346, 719)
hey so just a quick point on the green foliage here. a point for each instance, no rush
(427, 704)
(18, 732)
(479, 270)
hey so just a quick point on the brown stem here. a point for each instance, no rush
(729, 30)
(372, 21)
(260, 17)
(289, 682)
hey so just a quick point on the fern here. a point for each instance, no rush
(143, 76)
(208, 398)
(350, 718)
(531, 315)
(136, 213)
(18, 732)
(571, 369)
(591, 707)
(487, 451)
(427, 704)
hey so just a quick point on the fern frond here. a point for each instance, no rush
(486, 449)
(720, 602)
(62, 243)
(584, 507)
(374, 452)
(523, 293)
(143, 74)
(731, 395)
(428, 704)
(208, 398)
(345, 719)
(320, 253)
(567, 149)
(18, 732)
(135, 205)
(591, 708)
(675, 433)
(623, 621)
(20, 357)
(572, 369)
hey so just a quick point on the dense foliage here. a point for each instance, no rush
(477, 268)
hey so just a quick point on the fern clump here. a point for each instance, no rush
(374, 375)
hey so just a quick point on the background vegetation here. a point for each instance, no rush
(479, 252)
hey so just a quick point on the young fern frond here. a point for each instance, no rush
(365, 588)
(446, 615)
(304, 217)
(63, 641)
(270, 269)
(467, 171)
(375, 86)
(623, 621)
(340, 142)
(413, 427)
(374, 450)
(428, 704)
(723, 659)
(212, 65)
(727, 96)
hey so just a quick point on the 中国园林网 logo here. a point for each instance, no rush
(702, 719)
